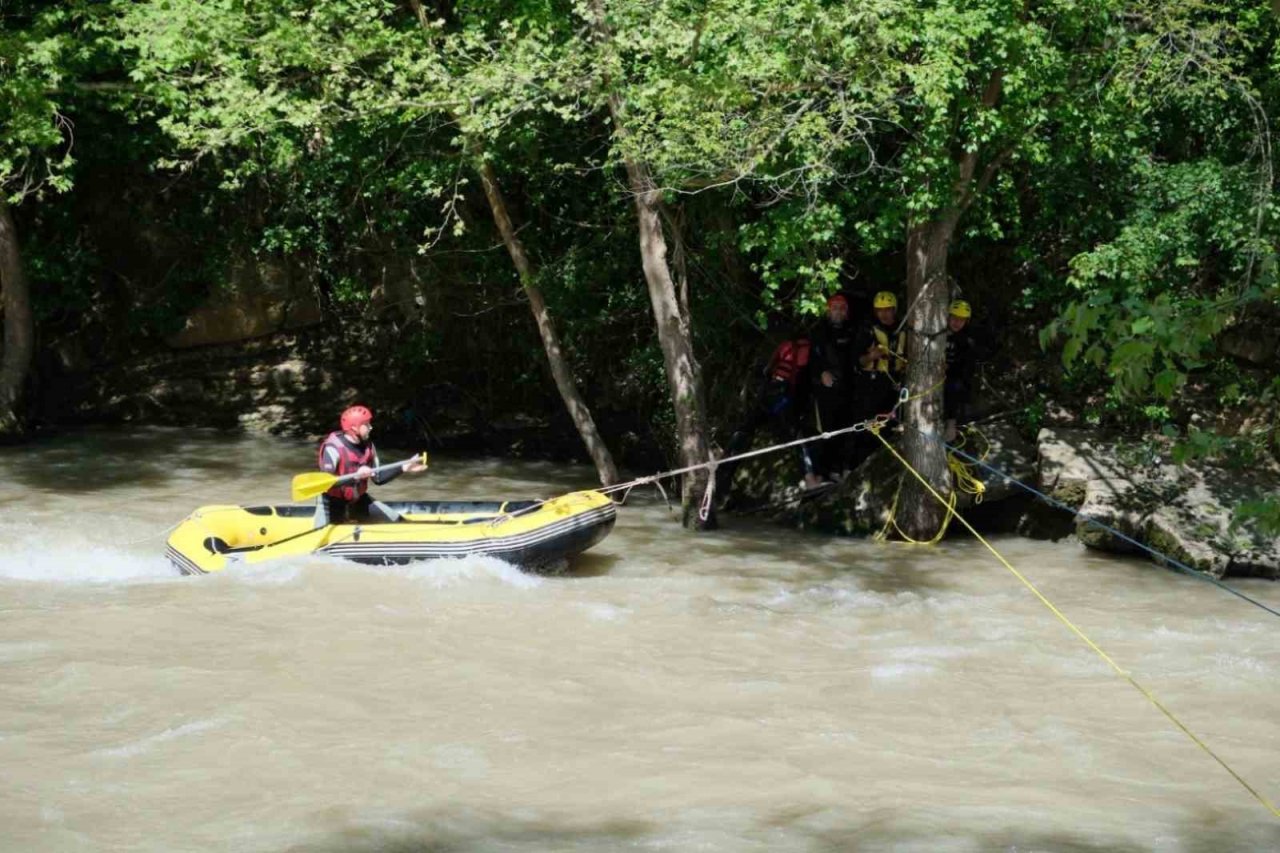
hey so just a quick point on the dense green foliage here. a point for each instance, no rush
(1112, 161)
(36, 49)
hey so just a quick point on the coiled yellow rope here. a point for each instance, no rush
(962, 471)
(964, 481)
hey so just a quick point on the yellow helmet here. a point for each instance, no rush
(960, 308)
(885, 299)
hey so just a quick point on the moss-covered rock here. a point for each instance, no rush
(1124, 495)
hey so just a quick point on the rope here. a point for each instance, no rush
(1089, 642)
(964, 482)
(903, 538)
(862, 426)
(1180, 566)
(150, 536)
(906, 315)
(708, 497)
(175, 526)
(962, 471)
(873, 423)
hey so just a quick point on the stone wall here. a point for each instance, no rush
(259, 298)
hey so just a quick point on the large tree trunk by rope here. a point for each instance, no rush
(676, 340)
(679, 266)
(920, 514)
(560, 371)
(674, 333)
(19, 329)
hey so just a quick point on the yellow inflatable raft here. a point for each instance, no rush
(529, 534)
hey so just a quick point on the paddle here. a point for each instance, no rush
(314, 483)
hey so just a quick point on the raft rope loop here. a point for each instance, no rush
(965, 480)
(1079, 633)
(192, 516)
(172, 527)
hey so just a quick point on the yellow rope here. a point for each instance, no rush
(1079, 633)
(892, 520)
(926, 392)
(965, 481)
(962, 471)
(883, 534)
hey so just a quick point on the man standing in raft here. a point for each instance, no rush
(349, 451)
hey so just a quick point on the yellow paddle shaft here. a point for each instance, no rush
(312, 483)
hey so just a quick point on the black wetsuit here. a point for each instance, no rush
(961, 357)
(834, 406)
(781, 403)
(876, 388)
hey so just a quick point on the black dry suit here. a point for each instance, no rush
(781, 402)
(833, 406)
(877, 385)
(961, 356)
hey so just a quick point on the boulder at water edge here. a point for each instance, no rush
(1183, 511)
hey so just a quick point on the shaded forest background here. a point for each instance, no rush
(196, 188)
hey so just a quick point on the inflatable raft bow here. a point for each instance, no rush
(529, 534)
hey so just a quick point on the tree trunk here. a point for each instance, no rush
(19, 330)
(674, 333)
(920, 514)
(675, 218)
(560, 371)
(676, 340)
(676, 222)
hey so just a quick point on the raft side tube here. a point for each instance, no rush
(526, 533)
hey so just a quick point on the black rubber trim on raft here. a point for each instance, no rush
(545, 544)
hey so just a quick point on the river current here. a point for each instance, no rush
(752, 689)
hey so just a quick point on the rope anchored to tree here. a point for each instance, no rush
(704, 510)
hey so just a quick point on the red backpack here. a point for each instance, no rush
(789, 362)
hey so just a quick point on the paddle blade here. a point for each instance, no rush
(312, 483)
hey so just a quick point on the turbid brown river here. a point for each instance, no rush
(755, 689)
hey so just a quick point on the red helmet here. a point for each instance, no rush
(837, 299)
(354, 417)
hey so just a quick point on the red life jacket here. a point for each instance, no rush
(789, 362)
(349, 461)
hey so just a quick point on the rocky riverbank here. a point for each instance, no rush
(1105, 491)
(1183, 511)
